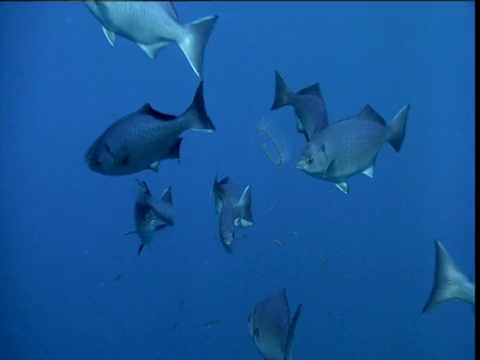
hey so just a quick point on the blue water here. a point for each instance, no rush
(362, 264)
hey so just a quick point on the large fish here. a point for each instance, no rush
(350, 146)
(153, 25)
(449, 283)
(272, 329)
(151, 215)
(139, 141)
(235, 212)
(308, 104)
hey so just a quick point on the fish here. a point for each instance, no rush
(223, 191)
(153, 25)
(350, 146)
(151, 215)
(235, 212)
(449, 283)
(271, 328)
(140, 140)
(308, 103)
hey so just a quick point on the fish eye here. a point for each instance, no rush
(309, 160)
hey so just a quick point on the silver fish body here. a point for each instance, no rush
(308, 104)
(139, 141)
(271, 327)
(153, 25)
(349, 147)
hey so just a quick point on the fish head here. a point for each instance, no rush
(227, 226)
(101, 159)
(228, 237)
(313, 159)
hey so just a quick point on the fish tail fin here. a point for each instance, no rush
(193, 45)
(397, 128)
(196, 114)
(244, 217)
(291, 333)
(449, 283)
(283, 94)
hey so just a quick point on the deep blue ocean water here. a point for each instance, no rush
(361, 265)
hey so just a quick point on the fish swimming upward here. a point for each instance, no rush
(272, 329)
(308, 104)
(141, 140)
(153, 25)
(235, 212)
(151, 215)
(350, 146)
(449, 283)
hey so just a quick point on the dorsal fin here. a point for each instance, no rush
(174, 10)
(311, 90)
(167, 195)
(224, 181)
(291, 332)
(143, 185)
(368, 113)
(147, 109)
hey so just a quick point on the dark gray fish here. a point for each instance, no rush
(308, 104)
(151, 215)
(153, 25)
(139, 141)
(271, 328)
(449, 284)
(350, 146)
(235, 212)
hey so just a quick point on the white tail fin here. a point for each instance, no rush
(449, 283)
(194, 43)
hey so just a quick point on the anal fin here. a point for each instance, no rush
(342, 186)
(152, 50)
(369, 171)
(110, 35)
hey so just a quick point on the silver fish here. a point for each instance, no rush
(235, 212)
(271, 328)
(151, 215)
(350, 146)
(153, 25)
(308, 104)
(449, 283)
(139, 141)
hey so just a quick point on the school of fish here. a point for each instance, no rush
(333, 152)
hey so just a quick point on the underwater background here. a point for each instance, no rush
(72, 285)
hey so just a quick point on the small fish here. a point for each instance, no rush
(271, 328)
(139, 141)
(151, 215)
(308, 103)
(350, 146)
(210, 324)
(449, 283)
(278, 242)
(234, 212)
(153, 25)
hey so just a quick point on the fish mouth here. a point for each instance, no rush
(299, 165)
